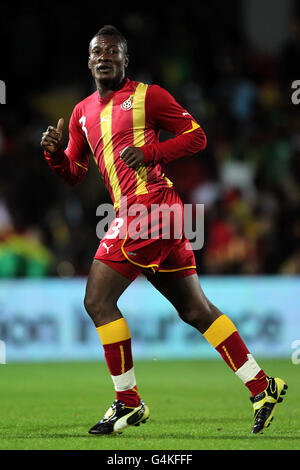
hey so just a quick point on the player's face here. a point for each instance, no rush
(107, 60)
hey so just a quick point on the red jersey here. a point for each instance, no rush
(130, 116)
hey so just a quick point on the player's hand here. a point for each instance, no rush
(132, 156)
(52, 138)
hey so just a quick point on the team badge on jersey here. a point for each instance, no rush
(127, 104)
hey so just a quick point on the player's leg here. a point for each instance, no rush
(104, 287)
(193, 307)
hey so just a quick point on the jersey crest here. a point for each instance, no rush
(127, 104)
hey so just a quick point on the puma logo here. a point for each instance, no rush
(107, 247)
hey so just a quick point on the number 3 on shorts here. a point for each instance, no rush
(115, 228)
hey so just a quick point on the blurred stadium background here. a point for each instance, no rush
(231, 64)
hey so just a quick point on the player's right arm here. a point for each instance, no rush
(71, 164)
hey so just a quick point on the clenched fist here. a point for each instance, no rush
(132, 156)
(52, 138)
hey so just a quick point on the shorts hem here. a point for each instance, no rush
(123, 267)
(175, 269)
(178, 273)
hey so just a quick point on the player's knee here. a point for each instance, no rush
(97, 308)
(88, 303)
(199, 316)
(191, 316)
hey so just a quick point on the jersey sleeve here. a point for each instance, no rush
(72, 164)
(163, 112)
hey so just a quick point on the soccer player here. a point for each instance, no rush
(119, 125)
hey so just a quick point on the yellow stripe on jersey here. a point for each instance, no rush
(139, 123)
(108, 151)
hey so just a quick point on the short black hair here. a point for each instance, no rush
(110, 30)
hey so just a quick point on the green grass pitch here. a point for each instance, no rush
(193, 405)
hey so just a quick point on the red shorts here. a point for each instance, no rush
(147, 236)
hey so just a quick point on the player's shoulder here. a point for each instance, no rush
(157, 96)
(152, 88)
(86, 102)
(133, 85)
(157, 91)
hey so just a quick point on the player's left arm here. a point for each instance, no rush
(163, 112)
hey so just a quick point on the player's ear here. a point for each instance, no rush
(126, 60)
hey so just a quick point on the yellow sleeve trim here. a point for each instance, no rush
(81, 166)
(194, 127)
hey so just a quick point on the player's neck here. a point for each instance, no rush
(105, 89)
